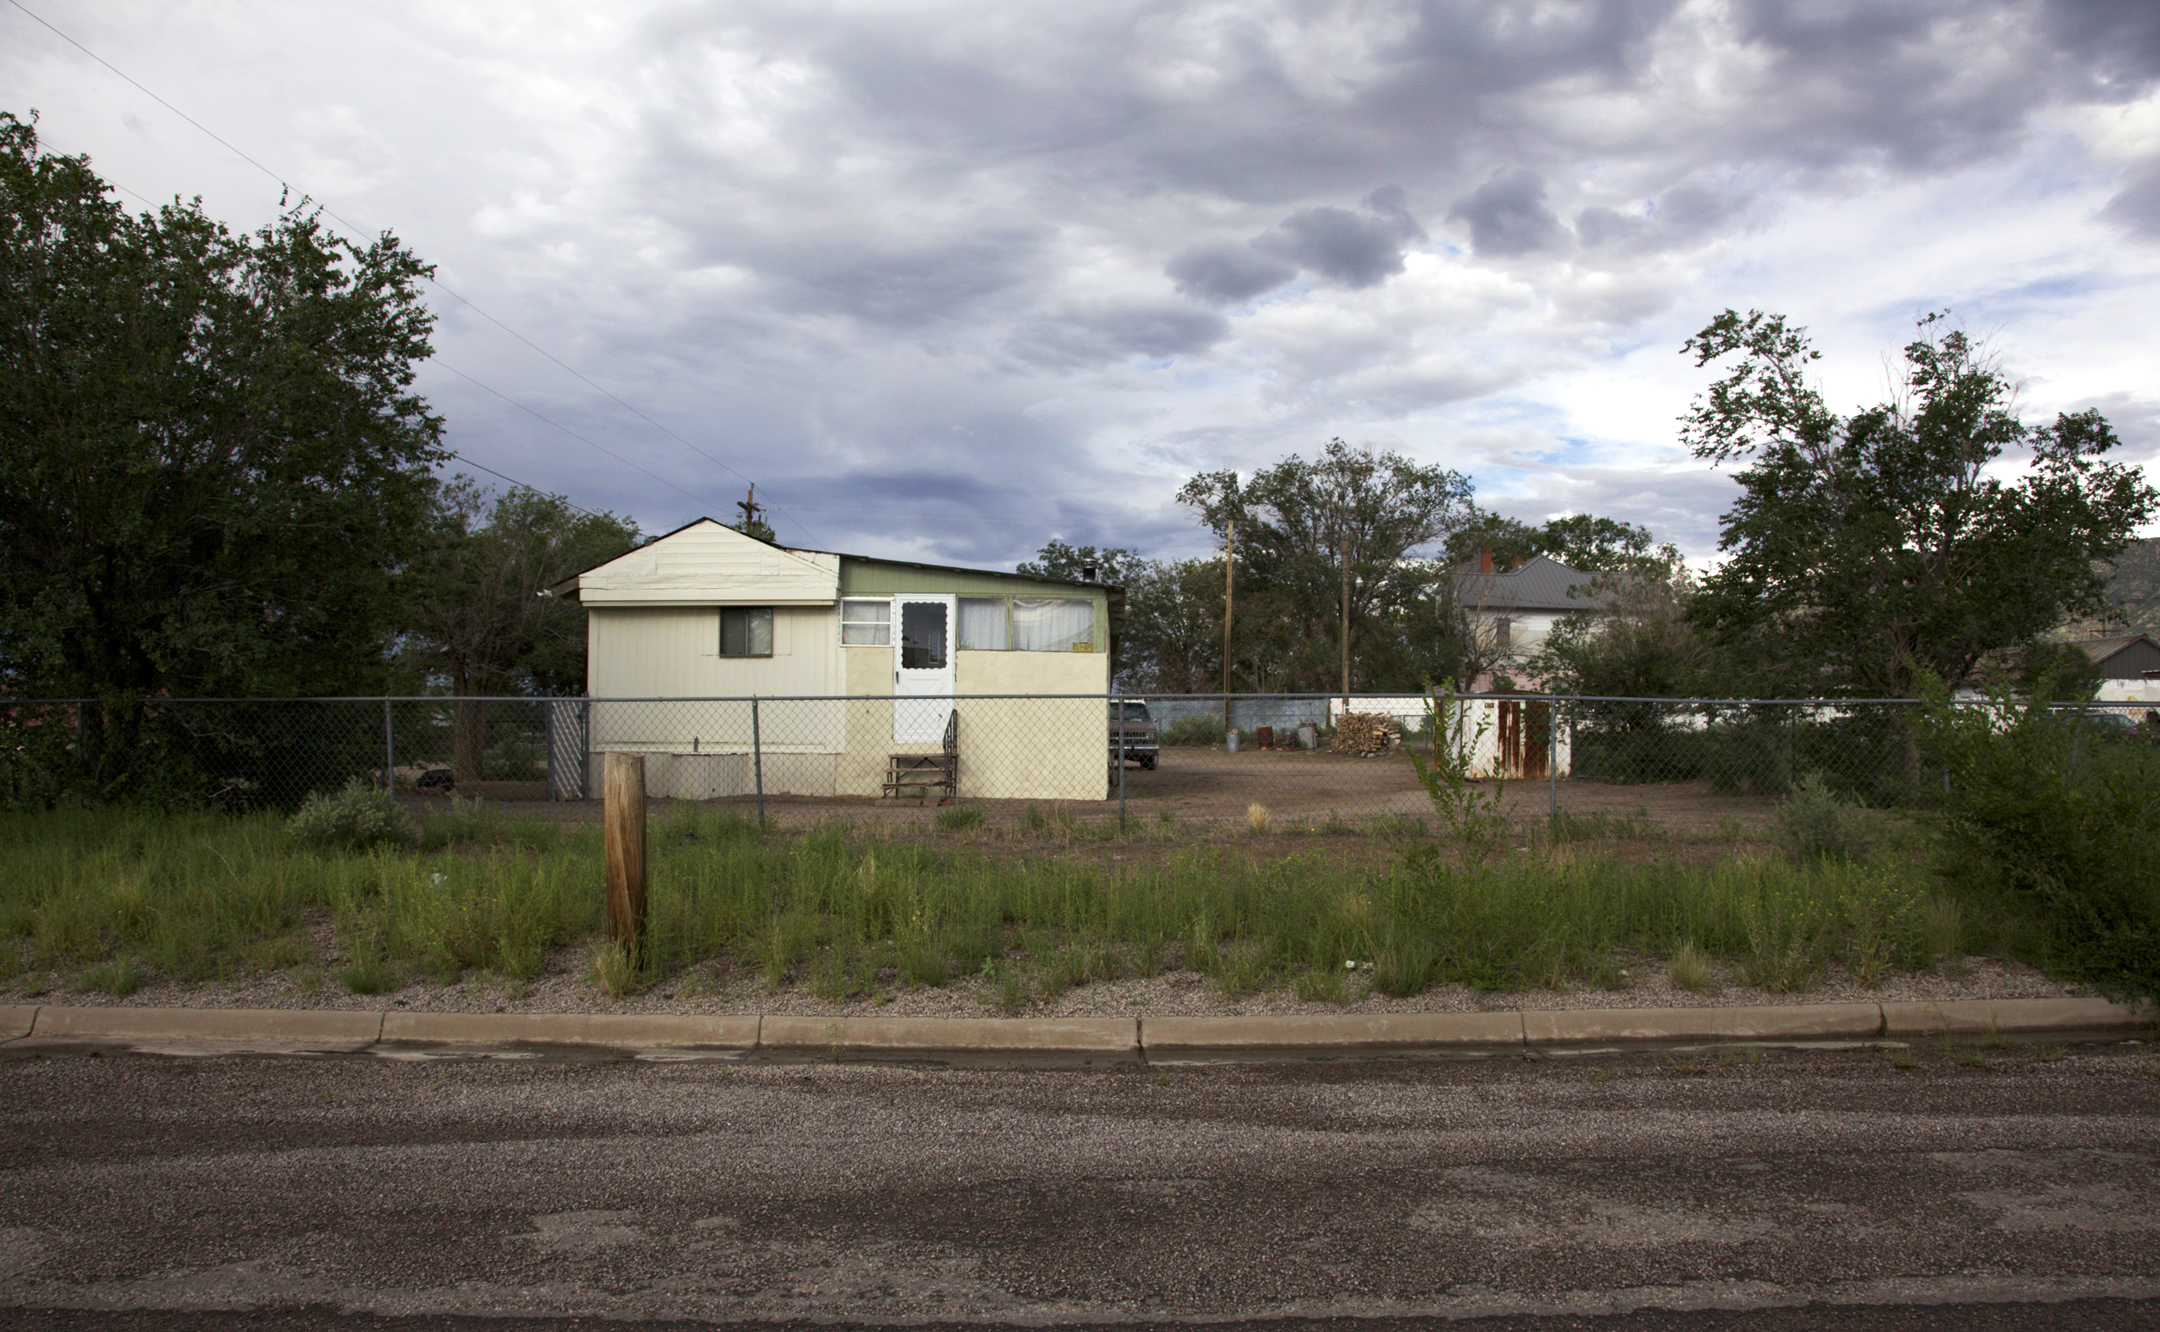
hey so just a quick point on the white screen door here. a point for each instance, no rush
(922, 668)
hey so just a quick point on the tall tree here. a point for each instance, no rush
(478, 611)
(212, 459)
(1580, 541)
(1866, 549)
(1114, 565)
(1173, 627)
(1321, 551)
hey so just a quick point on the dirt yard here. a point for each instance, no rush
(1208, 786)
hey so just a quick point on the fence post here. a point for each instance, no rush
(757, 760)
(1552, 763)
(389, 752)
(1120, 752)
(623, 816)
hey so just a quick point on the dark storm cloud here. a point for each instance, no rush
(2136, 206)
(1361, 249)
(2118, 40)
(899, 282)
(1680, 216)
(913, 268)
(1508, 216)
(1928, 85)
(1229, 271)
(1075, 338)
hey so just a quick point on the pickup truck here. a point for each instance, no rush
(1133, 734)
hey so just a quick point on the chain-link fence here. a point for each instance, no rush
(1282, 761)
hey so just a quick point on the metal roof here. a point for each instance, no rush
(1539, 584)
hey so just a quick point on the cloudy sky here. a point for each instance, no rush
(948, 280)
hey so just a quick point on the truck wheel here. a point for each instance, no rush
(1147, 762)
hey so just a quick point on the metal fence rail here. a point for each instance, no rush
(1282, 761)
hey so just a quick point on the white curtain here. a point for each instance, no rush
(1045, 624)
(982, 624)
(865, 623)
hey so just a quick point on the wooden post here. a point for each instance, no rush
(623, 815)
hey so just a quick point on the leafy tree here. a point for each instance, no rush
(1580, 541)
(1113, 565)
(479, 612)
(1173, 627)
(1322, 546)
(1867, 548)
(212, 460)
(1641, 644)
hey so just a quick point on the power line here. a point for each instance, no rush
(437, 283)
(521, 485)
(537, 416)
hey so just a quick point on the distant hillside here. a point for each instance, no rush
(2135, 590)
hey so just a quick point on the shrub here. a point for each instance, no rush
(1748, 757)
(2061, 817)
(1193, 731)
(1814, 824)
(1629, 745)
(354, 819)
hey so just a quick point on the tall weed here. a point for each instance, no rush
(2057, 815)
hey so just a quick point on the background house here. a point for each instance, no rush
(2129, 666)
(1514, 609)
(852, 660)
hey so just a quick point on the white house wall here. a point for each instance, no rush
(708, 564)
(696, 745)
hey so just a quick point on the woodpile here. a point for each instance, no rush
(1366, 733)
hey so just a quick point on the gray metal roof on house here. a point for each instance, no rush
(1539, 584)
(2122, 656)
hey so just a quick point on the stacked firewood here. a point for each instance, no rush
(1366, 733)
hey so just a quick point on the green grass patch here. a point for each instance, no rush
(109, 898)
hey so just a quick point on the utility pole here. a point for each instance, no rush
(1229, 590)
(1342, 536)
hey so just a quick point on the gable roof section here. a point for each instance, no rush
(707, 563)
(1539, 584)
(2122, 656)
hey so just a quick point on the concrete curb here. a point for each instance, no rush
(615, 1031)
(1103, 1039)
(1068, 1040)
(227, 1030)
(16, 1021)
(2014, 1017)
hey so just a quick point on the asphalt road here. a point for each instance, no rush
(1645, 1193)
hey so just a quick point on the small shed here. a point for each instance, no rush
(854, 660)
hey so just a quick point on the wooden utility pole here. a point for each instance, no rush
(1342, 537)
(1346, 629)
(623, 815)
(1229, 589)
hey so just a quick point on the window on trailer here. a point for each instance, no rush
(746, 631)
(866, 623)
(982, 624)
(1053, 624)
